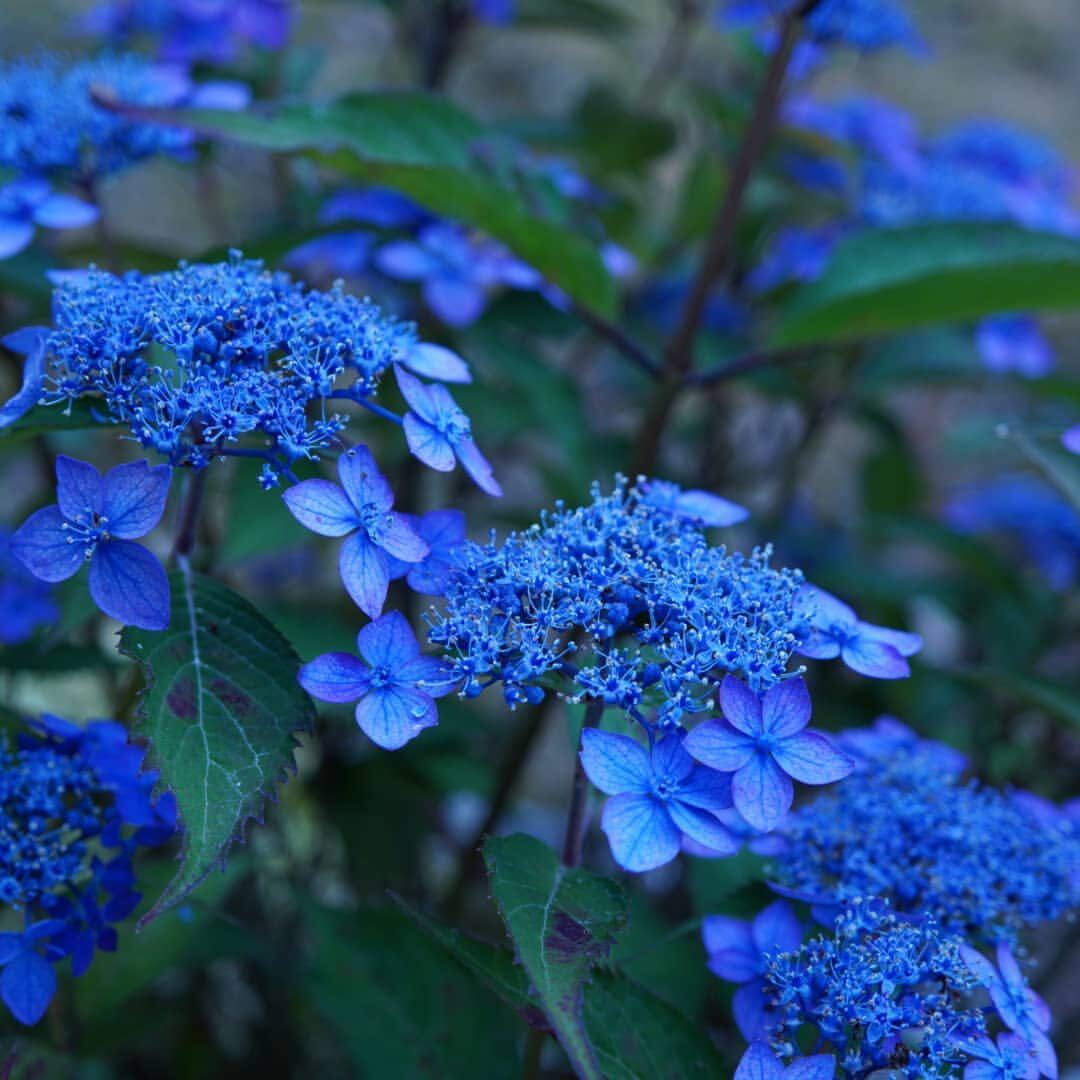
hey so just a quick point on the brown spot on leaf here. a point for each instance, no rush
(183, 698)
(570, 939)
(232, 697)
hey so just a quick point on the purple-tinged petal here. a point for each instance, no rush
(392, 717)
(336, 676)
(819, 645)
(478, 467)
(980, 967)
(389, 641)
(455, 301)
(442, 528)
(815, 1067)
(398, 538)
(759, 1063)
(730, 939)
(762, 792)
(785, 708)
(365, 573)
(874, 659)
(776, 929)
(79, 490)
(615, 764)
(640, 831)
(824, 609)
(10, 946)
(362, 481)
(225, 95)
(811, 757)
(905, 643)
(418, 396)
(707, 789)
(428, 445)
(741, 706)
(129, 584)
(405, 261)
(27, 986)
(322, 506)
(32, 341)
(135, 497)
(1045, 1055)
(429, 674)
(720, 746)
(709, 509)
(41, 545)
(702, 826)
(1071, 440)
(65, 212)
(750, 1009)
(670, 760)
(437, 362)
(15, 235)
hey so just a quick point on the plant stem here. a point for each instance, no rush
(716, 261)
(577, 818)
(447, 24)
(189, 515)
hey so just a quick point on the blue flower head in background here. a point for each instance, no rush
(74, 808)
(29, 204)
(96, 520)
(189, 31)
(26, 602)
(191, 361)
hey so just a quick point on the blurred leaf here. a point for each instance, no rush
(426, 148)
(1060, 701)
(25, 275)
(563, 922)
(221, 712)
(891, 481)
(31, 1059)
(47, 656)
(886, 280)
(585, 15)
(617, 137)
(400, 1005)
(938, 355)
(1060, 467)
(47, 419)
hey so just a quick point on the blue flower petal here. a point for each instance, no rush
(129, 584)
(41, 545)
(391, 718)
(640, 831)
(762, 792)
(365, 573)
(15, 235)
(702, 826)
(321, 506)
(79, 489)
(362, 481)
(428, 444)
(336, 676)
(455, 301)
(437, 362)
(135, 497)
(27, 986)
(720, 746)
(874, 659)
(811, 757)
(388, 642)
(759, 1063)
(785, 708)
(615, 763)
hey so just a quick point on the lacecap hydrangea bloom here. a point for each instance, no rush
(54, 124)
(625, 605)
(906, 828)
(190, 361)
(74, 809)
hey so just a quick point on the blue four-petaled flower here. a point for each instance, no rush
(96, 520)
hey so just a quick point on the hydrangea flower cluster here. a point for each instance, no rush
(74, 809)
(624, 604)
(194, 359)
(53, 126)
(886, 994)
(26, 603)
(905, 828)
(1029, 515)
(189, 31)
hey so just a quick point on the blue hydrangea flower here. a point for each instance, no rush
(1014, 343)
(865, 25)
(444, 533)
(96, 520)
(495, 12)
(658, 797)
(764, 743)
(1021, 1009)
(360, 510)
(393, 685)
(1006, 1058)
(1028, 514)
(377, 206)
(26, 603)
(904, 827)
(702, 507)
(74, 808)
(189, 31)
(54, 124)
(794, 254)
(28, 204)
(834, 630)
(439, 433)
(194, 360)
(760, 1063)
(739, 951)
(458, 270)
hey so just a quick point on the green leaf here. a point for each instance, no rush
(400, 1005)
(1060, 467)
(47, 419)
(221, 713)
(1060, 701)
(887, 280)
(562, 921)
(428, 149)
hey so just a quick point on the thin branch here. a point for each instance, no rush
(189, 514)
(743, 365)
(622, 341)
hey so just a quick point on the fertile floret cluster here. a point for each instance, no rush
(52, 122)
(194, 359)
(74, 807)
(904, 827)
(622, 601)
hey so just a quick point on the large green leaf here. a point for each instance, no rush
(886, 280)
(634, 1034)
(428, 149)
(563, 922)
(400, 1005)
(1052, 697)
(221, 712)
